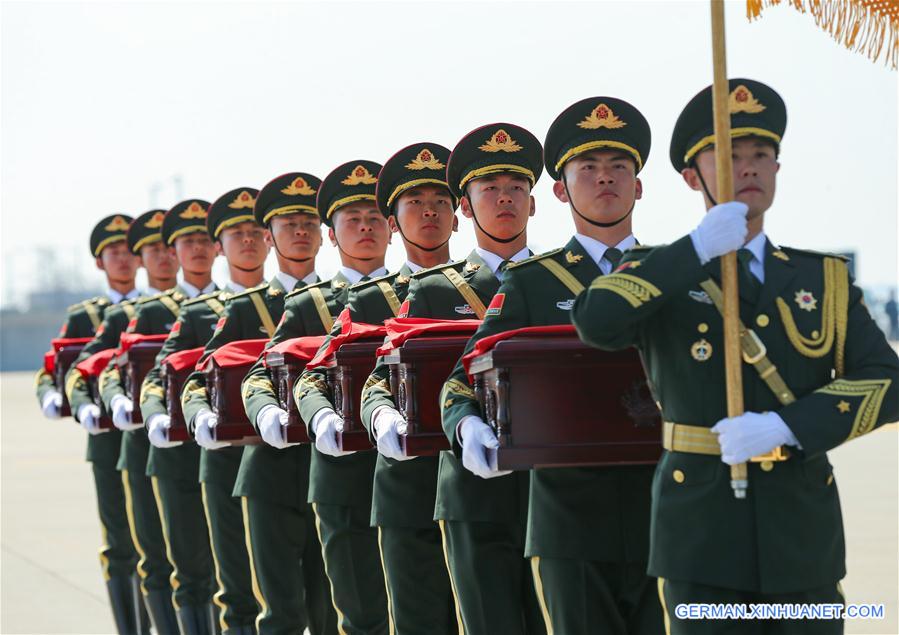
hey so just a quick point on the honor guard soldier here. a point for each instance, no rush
(109, 248)
(286, 208)
(412, 193)
(588, 527)
(338, 486)
(144, 237)
(492, 171)
(817, 372)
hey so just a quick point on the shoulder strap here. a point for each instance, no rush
(563, 275)
(466, 291)
(321, 305)
(264, 316)
(129, 310)
(217, 307)
(390, 296)
(92, 313)
(754, 351)
(169, 303)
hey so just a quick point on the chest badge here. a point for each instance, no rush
(701, 350)
(565, 305)
(465, 309)
(806, 300)
(700, 296)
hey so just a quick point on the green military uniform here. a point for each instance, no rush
(588, 528)
(338, 488)
(153, 567)
(290, 597)
(174, 471)
(482, 522)
(402, 504)
(833, 378)
(117, 555)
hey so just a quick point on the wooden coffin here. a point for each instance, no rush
(223, 383)
(285, 371)
(418, 370)
(93, 387)
(354, 363)
(134, 364)
(63, 361)
(554, 401)
(174, 380)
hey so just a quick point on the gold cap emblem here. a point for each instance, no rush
(741, 100)
(500, 142)
(298, 187)
(194, 210)
(156, 221)
(601, 117)
(425, 161)
(243, 200)
(117, 224)
(360, 176)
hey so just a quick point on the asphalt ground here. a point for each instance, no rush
(50, 579)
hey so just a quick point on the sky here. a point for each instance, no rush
(119, 107)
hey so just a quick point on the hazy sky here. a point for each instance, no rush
(104, 103)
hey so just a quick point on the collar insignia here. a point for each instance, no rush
(601, 117)
(572, 258)
(298, 187)
(500, 142)
(781, 255)
(402, 280)
(425, 161)
(565, 305)
(339, 284)
(471, 266)
(242, 201)
(741, 100)
(360, 176)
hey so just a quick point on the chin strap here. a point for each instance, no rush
(414, 244)
(278, 251)
(595, 223)
(502, 241)
(705, 188)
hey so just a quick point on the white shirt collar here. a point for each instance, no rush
(354, 276)
(234, 287)
(290, 283)
(493, 261)
(151, 291)
(193, 292)
(597, 249)
(117, 297)
(757, 247)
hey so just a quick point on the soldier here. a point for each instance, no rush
(818, 373)
(109, 248)
(286, 208)
(144, 239)
(338, 488)
(413, 195)
(492, 171)
(587, 530)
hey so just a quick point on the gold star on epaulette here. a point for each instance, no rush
(572, 259)
(472, 266)
(781, 255)
(844, 407)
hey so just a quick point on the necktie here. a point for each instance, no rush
(364, 279)
(613, 256)
(502, 269)
(746, 278)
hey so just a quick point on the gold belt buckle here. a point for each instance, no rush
(761, 351)
(780, 453)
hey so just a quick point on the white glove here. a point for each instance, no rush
(722, 230)
(204, 422)
(479, 445)
(51, 404)
(752, 434)
(388, 425)
(89, 418)
(270, 421)
(121, 413)
(158, 425)
(325, 425)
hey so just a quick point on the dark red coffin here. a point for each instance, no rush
(554, 401)
(134, 364)
(225, 371)
(418, 370)
(285, 371)
(354, 363)
(64, 358)
(174, 384)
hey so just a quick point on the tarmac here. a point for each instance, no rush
(50, 580)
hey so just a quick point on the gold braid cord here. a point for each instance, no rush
(834, 317)
(867, 26)
(871, 391)
(633, 289)
(253, 384)
(372, 383)
(457, 387)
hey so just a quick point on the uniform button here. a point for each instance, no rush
(762, 320)
(767, 466)
(678, 476)
(702, 327)
(815, 335)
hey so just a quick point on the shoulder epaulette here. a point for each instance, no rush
(201, 298)
(429, 270)
(361, 285)
(248, 292)
(816, 254)
(307, 287)
(150, 298)
(641, 248)
(536, 258)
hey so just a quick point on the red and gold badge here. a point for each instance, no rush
(244, 200)
(496, 305)
(298, 187)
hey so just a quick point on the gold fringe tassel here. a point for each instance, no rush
(867, 26)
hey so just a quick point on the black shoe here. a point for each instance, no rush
(196, 620)
(161, 611)
(137, 601)
(240, 630)
(122, 604)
